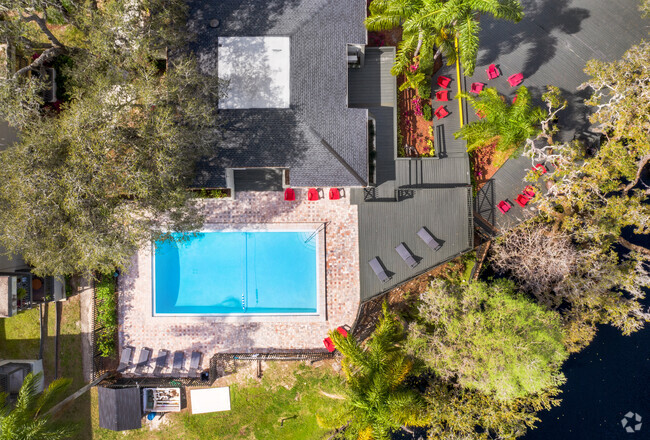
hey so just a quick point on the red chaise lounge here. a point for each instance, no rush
(504, 206)
(328, 341)
(515, 79)
(289, 195)
(477, 87)
(442, 95)
(443, 81)
(441, 112)
(540, 168)
(492, 72)
(334, 194)
(312, 194)
(521, 200)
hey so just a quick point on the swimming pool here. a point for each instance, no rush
(237, 272)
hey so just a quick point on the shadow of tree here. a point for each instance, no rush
(543, 21)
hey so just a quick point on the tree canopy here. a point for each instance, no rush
(25, 419)
(430, 28)
(97, 176)
(489, 338)
(379, 400)
(511, 124)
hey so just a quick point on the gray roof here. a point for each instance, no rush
(319, 138)
(119, 408)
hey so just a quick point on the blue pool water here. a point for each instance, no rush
(236, 272)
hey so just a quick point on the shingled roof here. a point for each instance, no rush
(321, 140)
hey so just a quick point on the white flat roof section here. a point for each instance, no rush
(209, 400)
(257, 70)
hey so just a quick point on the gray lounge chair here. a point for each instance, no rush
(161, 362)
(195, 362)
(179, 359)
(379, 269)
(428, 239)
(406, 255)
(126, 358)
(143, 360)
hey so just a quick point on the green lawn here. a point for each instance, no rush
(289, 391)
(19, 336)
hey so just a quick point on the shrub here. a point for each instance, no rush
(427, 113)
(106, 315)
(424, 89)
(211, 194)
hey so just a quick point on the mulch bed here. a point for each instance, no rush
(401, 300)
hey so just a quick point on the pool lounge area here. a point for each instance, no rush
(335, 273)
(238, 270)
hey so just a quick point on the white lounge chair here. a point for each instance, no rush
(428, 239)
(379, 270)
(406, 255)
(125, 359)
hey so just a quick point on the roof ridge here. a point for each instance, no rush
(304, 23)
(338, 157)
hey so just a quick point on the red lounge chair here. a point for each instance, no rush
(528, 192)
(342, 331)
(515, 79)
(521, 200)
(540, 168)
(335, 194)
(329, 344)
(504, 206)
(441, 112)
(289, 194)
(443, 81)
(492, 72)
(480, 114)
(442, 95)
(312, 194)
(476, 87)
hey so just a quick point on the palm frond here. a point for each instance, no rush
(468, 32)
(28, 394)
(52, 394)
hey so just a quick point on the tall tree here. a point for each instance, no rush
(489, 338)
(88, 185)
(430, 28)
(510, 124)
(379, 401)
(589, 284)
(458, 413)
(25, 419)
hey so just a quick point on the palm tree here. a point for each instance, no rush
(26, 419)
(378, 400)
(512, 124)
(428, 24)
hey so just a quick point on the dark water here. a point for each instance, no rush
(608, 379)
(605, 381)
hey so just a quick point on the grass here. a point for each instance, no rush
(20, 336)
(282, 406)
(70, 366)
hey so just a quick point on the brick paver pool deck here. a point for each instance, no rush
(139, 328)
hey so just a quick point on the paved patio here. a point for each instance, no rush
(139, 328)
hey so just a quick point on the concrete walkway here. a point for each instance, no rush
(86, 305)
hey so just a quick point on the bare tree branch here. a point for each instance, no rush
(42, 23)
(45, 57)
